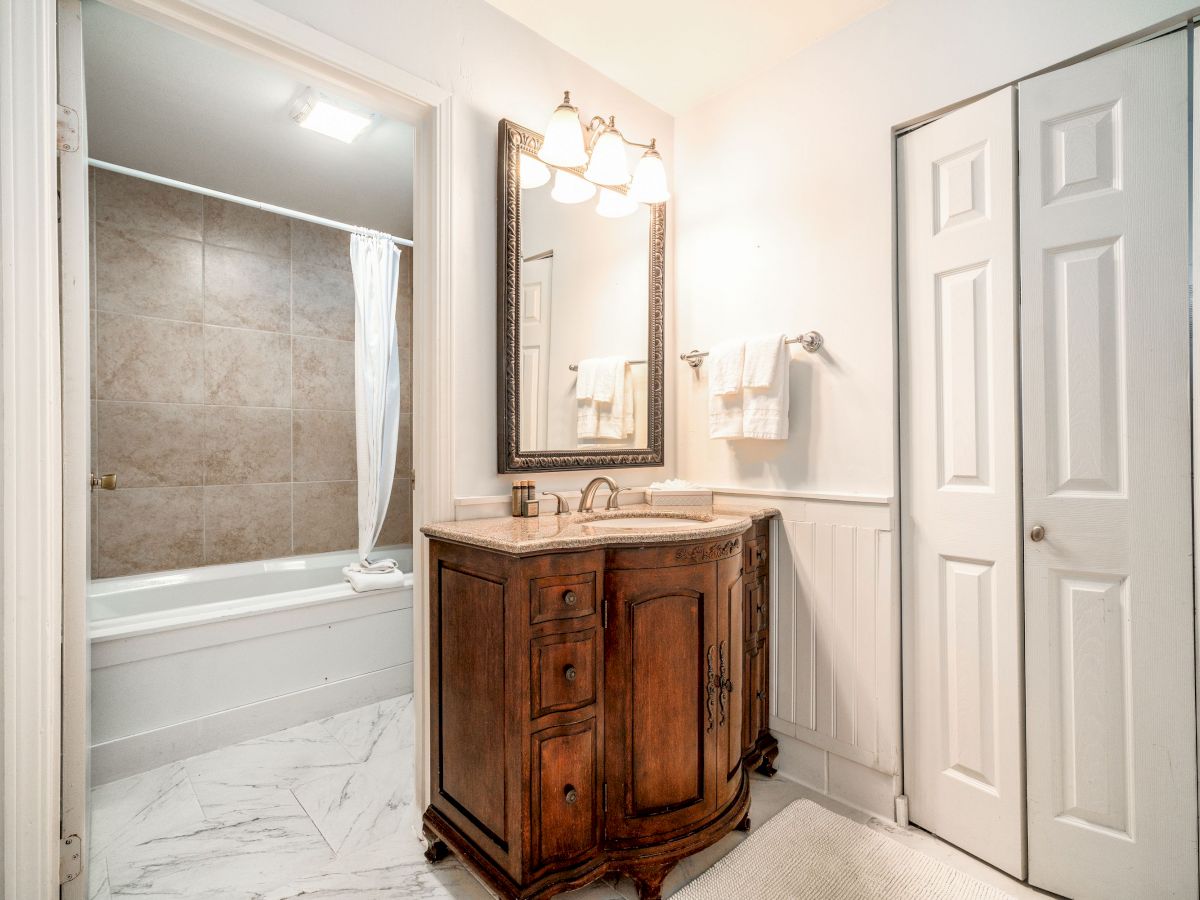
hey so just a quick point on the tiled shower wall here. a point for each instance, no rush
(223, 383)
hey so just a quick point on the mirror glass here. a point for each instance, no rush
(583, 386)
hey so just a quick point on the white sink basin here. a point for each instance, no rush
(635, 523)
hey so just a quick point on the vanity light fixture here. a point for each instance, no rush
(614, 205)
(320, 113)
(534, 172)
(601, 147)
(570, 188)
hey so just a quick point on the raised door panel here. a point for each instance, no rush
(1110, 670)
(566, 793)
(960, 538)
(472, 699)
(661, 699)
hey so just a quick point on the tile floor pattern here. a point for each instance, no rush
(324, 811)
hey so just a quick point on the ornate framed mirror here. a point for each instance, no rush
(580, 331)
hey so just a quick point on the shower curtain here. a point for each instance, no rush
(375, 261)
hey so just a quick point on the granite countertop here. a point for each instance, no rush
(576, 530)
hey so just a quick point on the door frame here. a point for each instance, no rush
(1191, 23)
(31, 538)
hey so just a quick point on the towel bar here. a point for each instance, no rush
(810, 341)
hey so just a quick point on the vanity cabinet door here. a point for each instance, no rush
(661, 700)
(731, 648)
(566, 793)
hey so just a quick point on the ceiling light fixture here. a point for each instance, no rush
(320, 113)
(601, 147)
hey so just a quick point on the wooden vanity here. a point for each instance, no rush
(598, 696)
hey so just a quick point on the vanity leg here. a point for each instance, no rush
(649, 881)
(765, 767)
(744, 825)
(435, 849)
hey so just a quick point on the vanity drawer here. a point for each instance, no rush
(565, 785)
(563, 670)
(755, 557)
(554, 597)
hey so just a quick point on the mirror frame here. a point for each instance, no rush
(513, 141)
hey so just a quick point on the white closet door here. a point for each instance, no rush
(1108, 591)
(963, 699)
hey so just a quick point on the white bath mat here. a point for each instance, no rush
(808, 852)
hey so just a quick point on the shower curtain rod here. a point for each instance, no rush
(220, 195)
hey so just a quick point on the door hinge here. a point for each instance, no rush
(70, 858)
(605, 794)
(603, 613)
(412, 479)
(68, 129)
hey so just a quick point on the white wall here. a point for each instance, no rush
(495, 69)
(784, 215)
(784, 218)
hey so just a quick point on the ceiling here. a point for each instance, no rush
(171, 105)
(676, 53)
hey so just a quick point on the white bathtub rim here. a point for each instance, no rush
(226, 610)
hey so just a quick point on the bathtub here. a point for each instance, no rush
(187, 661)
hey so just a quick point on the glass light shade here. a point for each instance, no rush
(608, 165)
(570, 188)
(563, 143)
(614, 205)
(534, 172)
(650, 179)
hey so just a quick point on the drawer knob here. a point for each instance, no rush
(569, 673)
(570, 599)
(761, 695)
(762, 555)
(570, 795)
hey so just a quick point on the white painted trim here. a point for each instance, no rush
(872, 499)
(31, 543)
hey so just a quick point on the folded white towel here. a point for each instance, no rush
(610, 374)
(376, 581)
(585, 379)
(615, 420)
(725, 362)
(765, 389)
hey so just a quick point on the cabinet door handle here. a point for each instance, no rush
(570, 795)
(569, 673)
(710, 689)
(569, 598)
(724, 683)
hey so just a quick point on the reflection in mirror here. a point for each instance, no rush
(584, 341)
(581, 318)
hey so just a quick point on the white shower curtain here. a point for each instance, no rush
(375, 261)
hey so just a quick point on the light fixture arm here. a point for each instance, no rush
(598, 126)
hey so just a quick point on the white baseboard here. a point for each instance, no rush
(844, 780)
(140, 752)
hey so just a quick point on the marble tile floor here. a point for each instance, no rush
(324, 811)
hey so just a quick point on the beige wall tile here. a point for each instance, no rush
(246, 228)
(322, 302)
(147, 274)
(246, 368)
(148, 530)
(150, 444)
(322, 373)
(324, 447)
(244, 522)
(320, 246)
(324, 516)
(137, 203)
(404, 451)
(148, 359)
(247, 290)
(397, 523)
(245, 444)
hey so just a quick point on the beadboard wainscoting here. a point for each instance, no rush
(835, 643)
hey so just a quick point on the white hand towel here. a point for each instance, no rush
(761, 360)
(724, 367)
(610, 371)
(585, 378)
(616, 418)
(765, 389)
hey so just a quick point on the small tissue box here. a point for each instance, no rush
(679, 497)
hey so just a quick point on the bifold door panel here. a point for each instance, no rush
(1107, 475)
(963, 700)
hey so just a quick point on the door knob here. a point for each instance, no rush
(1037, 533)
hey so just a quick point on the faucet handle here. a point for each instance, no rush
(612, 498)
(563, 506)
